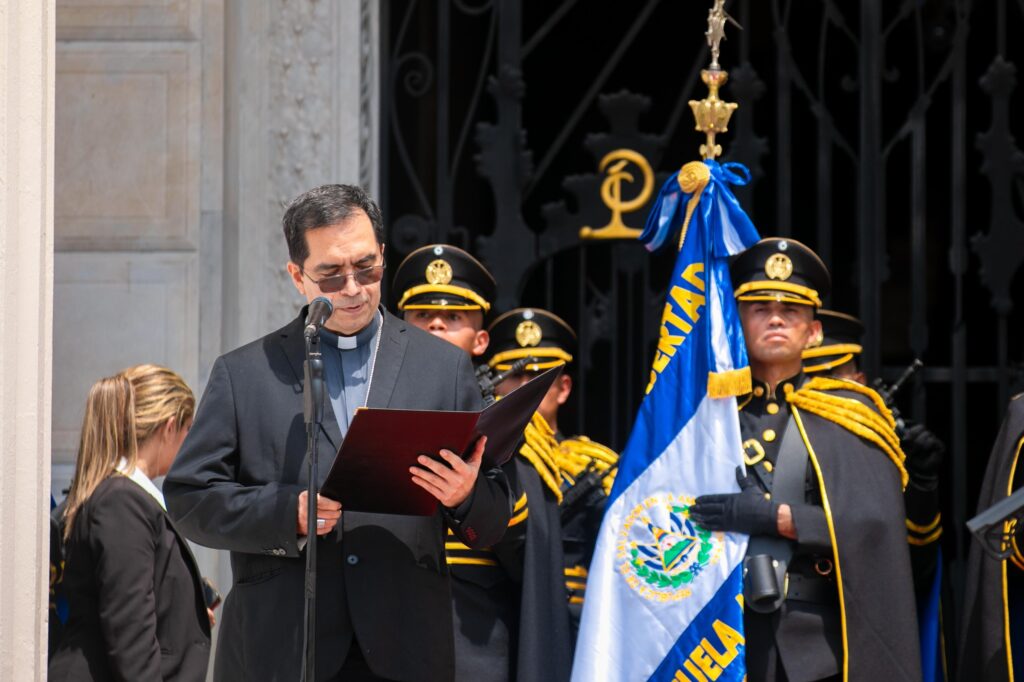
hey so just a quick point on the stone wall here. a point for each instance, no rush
(182, 129)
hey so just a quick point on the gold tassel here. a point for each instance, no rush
(728, 384)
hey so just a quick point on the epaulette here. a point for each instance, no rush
(876, 426)
(538, 449)
(575, 454)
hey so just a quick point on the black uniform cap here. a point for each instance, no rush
(530, 333)
(780, 269)
(842, 342)
(443, 277)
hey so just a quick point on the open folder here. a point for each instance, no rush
(371, 471)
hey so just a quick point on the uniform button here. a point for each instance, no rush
(758, 391)
(768, 435)
(352, 559)
(767, 496)
(787, 388)
(772, 408)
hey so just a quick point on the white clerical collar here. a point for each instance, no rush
(360, 338)
(143, 481)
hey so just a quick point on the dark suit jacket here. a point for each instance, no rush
(383, 579)
(136, 601)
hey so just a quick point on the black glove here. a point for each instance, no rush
(924, 453)
(748, 511)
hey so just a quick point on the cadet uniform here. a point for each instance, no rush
(838, 355)
(501, 594)
(844, 608)
(992, 640)
(586, 469)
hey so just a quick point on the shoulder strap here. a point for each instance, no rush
(787, 487)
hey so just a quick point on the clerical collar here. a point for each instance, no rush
(361, 338)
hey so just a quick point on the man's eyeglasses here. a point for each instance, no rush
(335, 283)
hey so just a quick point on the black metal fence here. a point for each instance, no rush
(879, 133)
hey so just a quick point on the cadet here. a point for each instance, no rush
(504, 627)
(827, 581)
(839, 356)
(586, 468)
(992, 633)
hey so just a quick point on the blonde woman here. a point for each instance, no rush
(136, 601)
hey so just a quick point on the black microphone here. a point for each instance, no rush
(320, 310)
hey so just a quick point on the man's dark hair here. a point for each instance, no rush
(323, 206)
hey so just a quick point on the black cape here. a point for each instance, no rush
(862, 494)
(993, 591)
(511, 619)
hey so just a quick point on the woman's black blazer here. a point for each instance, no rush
(134, 592)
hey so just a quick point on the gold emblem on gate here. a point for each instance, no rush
(614, 164)
(439, 272)
(528, 333)
(778, 266)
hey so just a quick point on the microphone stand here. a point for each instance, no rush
(313, 407)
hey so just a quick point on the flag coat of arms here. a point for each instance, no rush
(664, 595)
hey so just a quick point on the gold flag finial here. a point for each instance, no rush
(712, 113)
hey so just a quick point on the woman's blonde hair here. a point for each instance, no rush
(121, 413)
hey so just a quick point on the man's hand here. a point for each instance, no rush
(747, 511)
(451, 481)
(326, 509)
(925, 453)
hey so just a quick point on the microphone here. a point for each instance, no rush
(320, 310)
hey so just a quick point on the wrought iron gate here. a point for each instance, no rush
(878, 133)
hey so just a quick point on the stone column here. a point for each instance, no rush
(301, 109)
(26, 298)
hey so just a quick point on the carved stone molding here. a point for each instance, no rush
(128, 19)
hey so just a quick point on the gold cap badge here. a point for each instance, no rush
(439, 272)
(778, 266)
(528, 333)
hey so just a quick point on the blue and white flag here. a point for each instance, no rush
(664, 595)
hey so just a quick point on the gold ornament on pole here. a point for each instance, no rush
(712, 113)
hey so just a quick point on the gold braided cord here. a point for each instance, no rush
(856, 418)
(884, 426)
(574, 455)
(539, 450)
(832, 384)
(861, 414)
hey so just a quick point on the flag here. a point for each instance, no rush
(664, 595)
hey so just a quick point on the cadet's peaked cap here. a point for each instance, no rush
(443, 277)
(842, 342)
(780, 269)
(530, 333)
